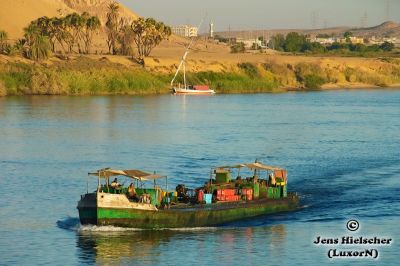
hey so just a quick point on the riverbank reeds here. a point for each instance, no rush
(85, 76)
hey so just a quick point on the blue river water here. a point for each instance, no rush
(341, 149)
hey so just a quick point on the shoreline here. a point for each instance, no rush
(106, 76)
(348, 87)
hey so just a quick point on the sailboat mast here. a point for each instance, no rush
(182, 63)
(184, 75)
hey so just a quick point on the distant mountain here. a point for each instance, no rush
(385, 29)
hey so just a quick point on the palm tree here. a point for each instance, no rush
(48, 27)
(60, 31)
(40, 49)
(92, 26)
(30, 33)
(19, 47)
(38, 45)
(52, 29)
(3, 41)
(112, 26)
(74, 24)
(125, 39)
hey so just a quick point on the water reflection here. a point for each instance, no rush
(116, 247)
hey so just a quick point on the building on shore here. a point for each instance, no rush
(211, 31)
(324, 41)
(354, 40)
(185, 30)
(250, 43)
(331, 40)
(376, 40)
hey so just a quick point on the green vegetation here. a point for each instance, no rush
(112, 27)
(91, 27)
(312, 76)
(250, 70)
(85, 76)
(347, 36)
(148, 33)
(294, 42)
(298, 43)
(73, 31)
(79, 77)
(238, 48)
(3, 42)
(313, 82)
(144, 33)
(277, 42)
(74, 34)
(38, 46)
(235, 82)
(387, 46)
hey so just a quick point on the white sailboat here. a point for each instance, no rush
(188, 89)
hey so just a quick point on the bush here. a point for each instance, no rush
(283, 74)
(238, 48)
(313, 82)
(387, 46)
(250, 69)
(349, 74)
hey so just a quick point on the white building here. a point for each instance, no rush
(375, 40)
(249, 43)
(185, 30)
(211, 29)
(324, 41)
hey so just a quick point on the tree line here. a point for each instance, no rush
(144, 33)
(299, 43)
(71, 34)
(74, 33)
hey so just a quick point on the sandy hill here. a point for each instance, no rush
(99, 8)
(16, 14)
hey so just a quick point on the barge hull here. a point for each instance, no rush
(183, 218)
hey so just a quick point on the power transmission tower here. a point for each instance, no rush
(314, 19)
(229, 34)
(387, 10)
(364, 20)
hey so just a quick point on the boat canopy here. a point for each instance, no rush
(135, 174)
(252, 166)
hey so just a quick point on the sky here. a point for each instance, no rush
(267, 14)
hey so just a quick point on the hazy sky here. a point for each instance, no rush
(257, 14)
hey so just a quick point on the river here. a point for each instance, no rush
(341, 149)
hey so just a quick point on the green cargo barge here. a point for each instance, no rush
(220, 200)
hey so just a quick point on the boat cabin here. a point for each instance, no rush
(241, 182)
(136, 185)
